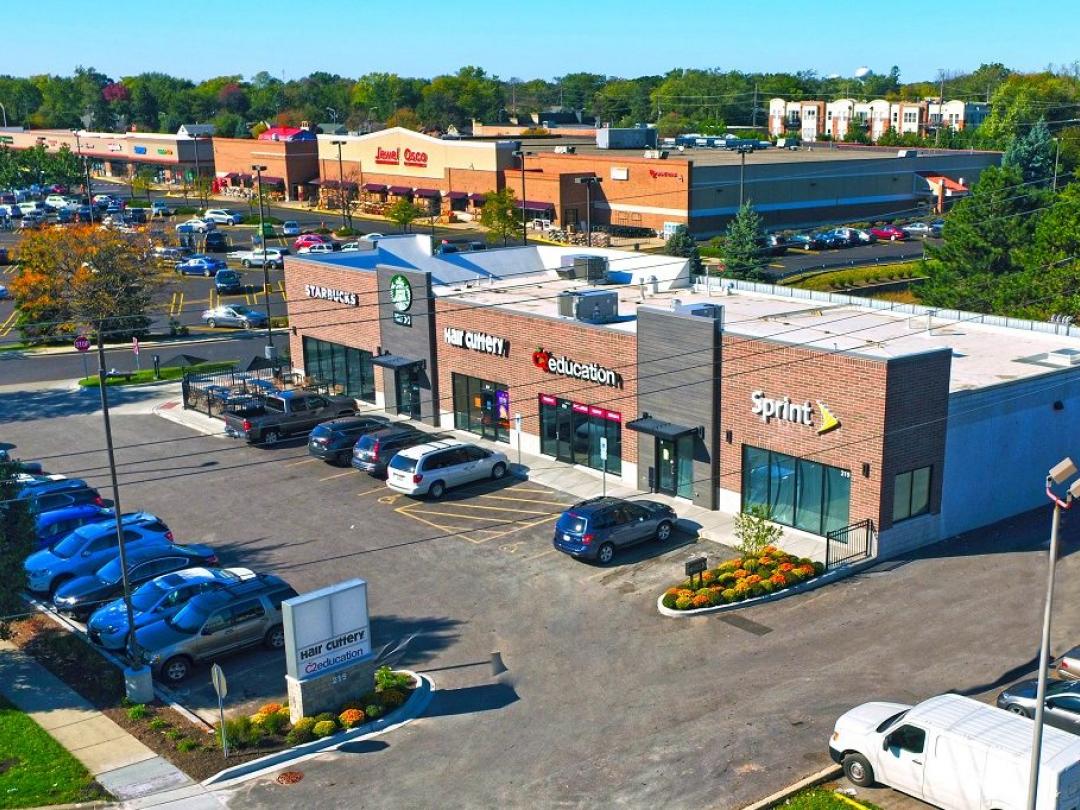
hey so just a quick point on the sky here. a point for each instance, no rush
(198, 39)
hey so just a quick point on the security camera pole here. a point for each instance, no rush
(1064, 470)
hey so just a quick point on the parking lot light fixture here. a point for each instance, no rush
(520, 155)
(259, 169)
(588, 182)
(341, 183)
(1058, 475)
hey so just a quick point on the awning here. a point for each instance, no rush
(402, 190)
(537, 205)
(394, 361)
(426, 192)
(231, 175)
(376, 187)
(659, 428)
(243, 177)
(478, 198)
(456, 195)
(274, 181)
(329, 183)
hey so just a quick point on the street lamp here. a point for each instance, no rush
(1058, 475)
(86, 168)
(521, 159)
(742, 150)
(198, 171)
(588, 182)
(341, 182)
(259, 169)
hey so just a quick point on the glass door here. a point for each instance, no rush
(407, 382)
(666, 476)
(564, 447)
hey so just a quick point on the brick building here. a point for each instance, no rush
(290, 155)
(836, 416)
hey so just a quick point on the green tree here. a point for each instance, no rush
(754, 530)
(404, 212)
(742, 252)
(17, 538)
(1032, 154)
(501, 215)
(681, 243)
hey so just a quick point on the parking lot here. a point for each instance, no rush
(593, 690)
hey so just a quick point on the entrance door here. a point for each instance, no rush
(407, 382)
(564, 447)
(666, 468)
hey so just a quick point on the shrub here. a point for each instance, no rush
(138, 712)
(727, 578)
(707, 577)
(779, 580)
(324, 728)
(730, 565)
(275, 723)
(669, 601)
(716, 597)
(753, 579)
(345, 231)
(322, 717)
(373, 712)
(671, 592)
(767, 586)
(159, 724)
(700, 601)
(257, 718)
(299, 736)
(386, 678)
(350, 718)
(741, 573)
(242, 733)
(728, 595)
(682, 603)
(173, 734)
(186, 745)
(784, 567)
(757, 590)
(391, 698)
(284, 712)
(270, 708)
(819, 568)
(750, 565)
(755, 531)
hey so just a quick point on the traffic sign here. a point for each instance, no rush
(135, 346)
(82, 343)
(217, 676)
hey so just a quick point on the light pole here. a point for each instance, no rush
(3, 109)
(521, 159)
(1057, 154)
(258, 169)
(86, 168)
(742, 171)
(198, 171)
(588, 182)
(341, 182)
(1058, 475)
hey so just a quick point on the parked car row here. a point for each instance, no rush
(185, 609)
(844, 237)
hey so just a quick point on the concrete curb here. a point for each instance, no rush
(813, 780)
(416, 704)
(827, 578)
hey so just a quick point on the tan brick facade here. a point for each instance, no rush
(296, 162)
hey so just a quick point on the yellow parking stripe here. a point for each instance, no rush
(281, 289)
(9, 323)
(499, 509)
(525, 500)
(455, 515)
(339, 475)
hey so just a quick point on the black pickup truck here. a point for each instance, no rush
(271, 418)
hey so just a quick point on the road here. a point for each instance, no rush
(604, 702)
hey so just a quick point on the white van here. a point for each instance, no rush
(432, 468)
(956, 753)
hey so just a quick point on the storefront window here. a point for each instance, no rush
(911, 494)
(684, 455)
(340, 367)
(481, 407)
(571, 432)
(804, 494)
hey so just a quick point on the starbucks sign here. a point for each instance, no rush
(401, 297)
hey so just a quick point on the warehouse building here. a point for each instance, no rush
(841, 417)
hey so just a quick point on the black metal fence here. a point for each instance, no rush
(214, 392)
(849, 544)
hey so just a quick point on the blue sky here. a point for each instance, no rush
(199, 39)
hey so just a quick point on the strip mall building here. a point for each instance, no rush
(832, 413)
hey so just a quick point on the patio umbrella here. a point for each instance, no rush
(183, 361)
(257, 363)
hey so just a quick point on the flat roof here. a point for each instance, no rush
(983, 355)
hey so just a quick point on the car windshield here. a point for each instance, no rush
(403, 464)
(70, 545)
(110, 572)
(321, 432)
(244, 311)
(1062, 686)
(146, 596)
(366, 442)
(189, 619)
(569, 522)
(890, 720)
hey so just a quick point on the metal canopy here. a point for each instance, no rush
(659, 428)
(395, 361)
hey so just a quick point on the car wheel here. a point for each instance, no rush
(858, 770)
(275, 637)
(271, 437)
(498, 471)
(246, 263)
(663, 531)
(1020, 710)
(211, 323)
(437, 490)
(245, 324)
(207, 273)
(606, 554)
(56, 584)
(176, 669)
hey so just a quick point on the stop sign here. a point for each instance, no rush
(82, 343)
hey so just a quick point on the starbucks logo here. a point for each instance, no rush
(400, 293)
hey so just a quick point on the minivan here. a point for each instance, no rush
(373, 451)
(433, 468)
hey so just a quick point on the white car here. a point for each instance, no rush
(56, 201)
(221, 216)
(371, 237)
(350, 247)
(917, 229)
(321, 247)
(290, 227)
(196, 225)
(159, 208)
(431, 469)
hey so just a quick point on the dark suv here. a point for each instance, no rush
(595, 528)
(333, 441)
(213, 624)
(45, 495)
(373, 451)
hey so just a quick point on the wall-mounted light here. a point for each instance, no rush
(1059, 405)
(866, 469)
(727, 436)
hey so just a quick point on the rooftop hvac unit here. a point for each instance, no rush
(656, 154)
(589, 306)
(565, 150)
(591, 268)
(1063, 358)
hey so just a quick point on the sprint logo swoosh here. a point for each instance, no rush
(828, 421)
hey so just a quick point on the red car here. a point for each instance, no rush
(889, 233)
(307, 239)
(58, 188)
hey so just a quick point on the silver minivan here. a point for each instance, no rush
(433, 468)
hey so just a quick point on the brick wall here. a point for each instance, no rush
(526, 333)
(295, 162)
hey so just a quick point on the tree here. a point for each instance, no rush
(754, 530)
(405, 118)
(742, 252)
(76, 278)
(681, 243)
(501, 215)
(404, 212)
(17, 540)
(1032, 154)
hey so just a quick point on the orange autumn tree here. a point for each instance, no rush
(71, 280)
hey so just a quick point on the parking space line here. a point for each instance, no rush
(541, 554)
(340, 475)
(455, 515)
(499, 508)
(9, 323)
(530, 489)
(281, 289)
(524, 500)
(372, 491)
(302, 461)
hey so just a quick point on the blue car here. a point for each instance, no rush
(53, 525)
(595, 529)
(88, 548)
(157, 599)
(200, 265)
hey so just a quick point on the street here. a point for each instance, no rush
(603, 696)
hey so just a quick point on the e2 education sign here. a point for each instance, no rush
(326, 630)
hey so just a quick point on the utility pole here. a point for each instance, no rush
(753, 113)
(1057, 154)
(941, 109)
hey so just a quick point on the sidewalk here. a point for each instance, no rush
(578, 481)
(120, 763)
